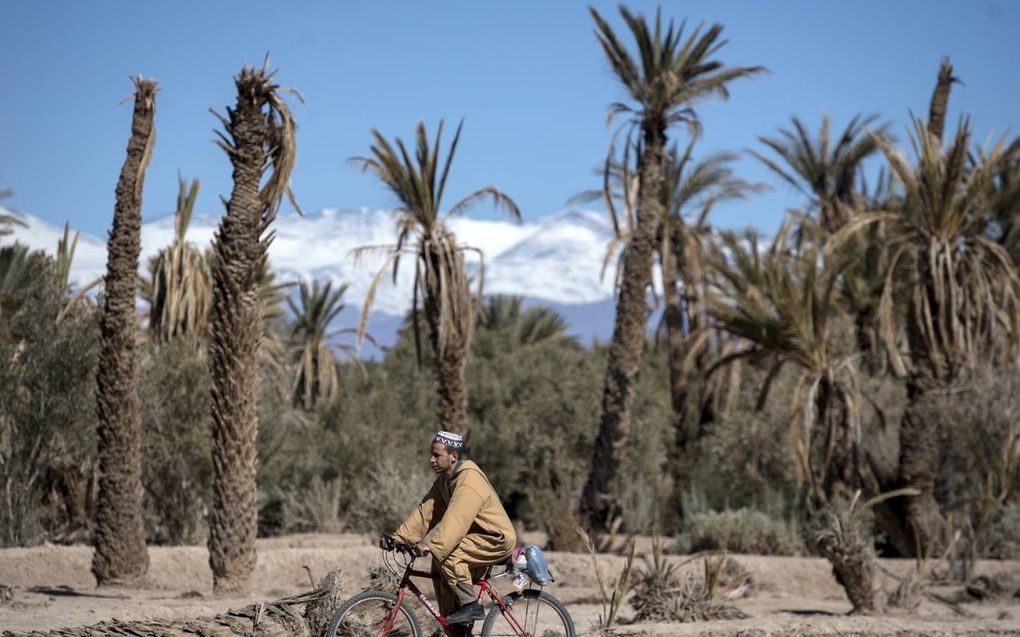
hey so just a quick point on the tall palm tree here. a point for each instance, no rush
(785, 306)
(669, 73)
(120, 552)
(440, 276)
(316, 377)
(963, 296)
(258, 138)
(181, 278)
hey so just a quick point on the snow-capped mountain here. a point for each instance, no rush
(554, 260)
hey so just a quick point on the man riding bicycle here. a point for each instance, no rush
(469, 528)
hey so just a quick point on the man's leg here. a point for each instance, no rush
(446, 596)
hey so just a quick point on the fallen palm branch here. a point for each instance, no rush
(282, 617)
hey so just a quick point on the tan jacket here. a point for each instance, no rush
(462, 504)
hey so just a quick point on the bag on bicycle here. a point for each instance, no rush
(536, 566)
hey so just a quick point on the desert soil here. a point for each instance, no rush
(53, 588)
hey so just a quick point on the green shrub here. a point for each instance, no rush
(387, 495)
(48, 352)
(739, 531)
(1004, 534)
(176, 444)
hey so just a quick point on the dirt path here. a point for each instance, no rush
(53, 588)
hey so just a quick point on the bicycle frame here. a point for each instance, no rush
(485, 587)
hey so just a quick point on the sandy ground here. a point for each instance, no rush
(53, 588)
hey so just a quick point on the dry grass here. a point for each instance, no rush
(662, 594)
(612, 595)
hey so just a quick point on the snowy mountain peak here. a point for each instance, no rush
(556, 259)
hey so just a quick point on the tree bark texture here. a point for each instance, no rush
(940, 100)
(600, 497)
(235, 336)
(120, 552)
(920, 516)
(451, 350)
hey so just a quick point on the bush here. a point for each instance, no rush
(739, 531)
(1004, 534)
(386, 496)
(47, 411)
(177, 467)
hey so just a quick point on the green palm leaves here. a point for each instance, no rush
(823, 171)
(316, 377)
(669, 72)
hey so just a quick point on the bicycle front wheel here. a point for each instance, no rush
(367, 615)
(532, 614)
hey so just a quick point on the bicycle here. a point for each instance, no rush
(373, 613)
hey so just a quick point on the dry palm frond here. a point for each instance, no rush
(662, 594)
(965, 299)
(612, 595)
(181, 278)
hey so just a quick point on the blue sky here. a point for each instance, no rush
(528, 77)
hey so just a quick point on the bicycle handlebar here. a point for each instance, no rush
(397, 546)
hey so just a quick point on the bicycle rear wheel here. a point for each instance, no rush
(365, 615)
(535, 614)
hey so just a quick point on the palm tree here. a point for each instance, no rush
(785, 306)
(963, 295)
(440, 276)
(120, 533)
(507, 323)
(668, 75)
(180, 273)
(828, 174)
(316, 375)
(259, 138)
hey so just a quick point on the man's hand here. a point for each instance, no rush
(423, 548)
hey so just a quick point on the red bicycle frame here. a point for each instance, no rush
(485, 587)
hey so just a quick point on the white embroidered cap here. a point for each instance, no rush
(449, 439)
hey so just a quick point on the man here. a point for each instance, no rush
(469, 528)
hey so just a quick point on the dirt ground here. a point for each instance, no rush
(53, 588)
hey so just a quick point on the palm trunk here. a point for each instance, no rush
(235, 336)
(120, 553)
(940, 100)
(920, 515)
(678, 381)
(451, 350)
(600, 498)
